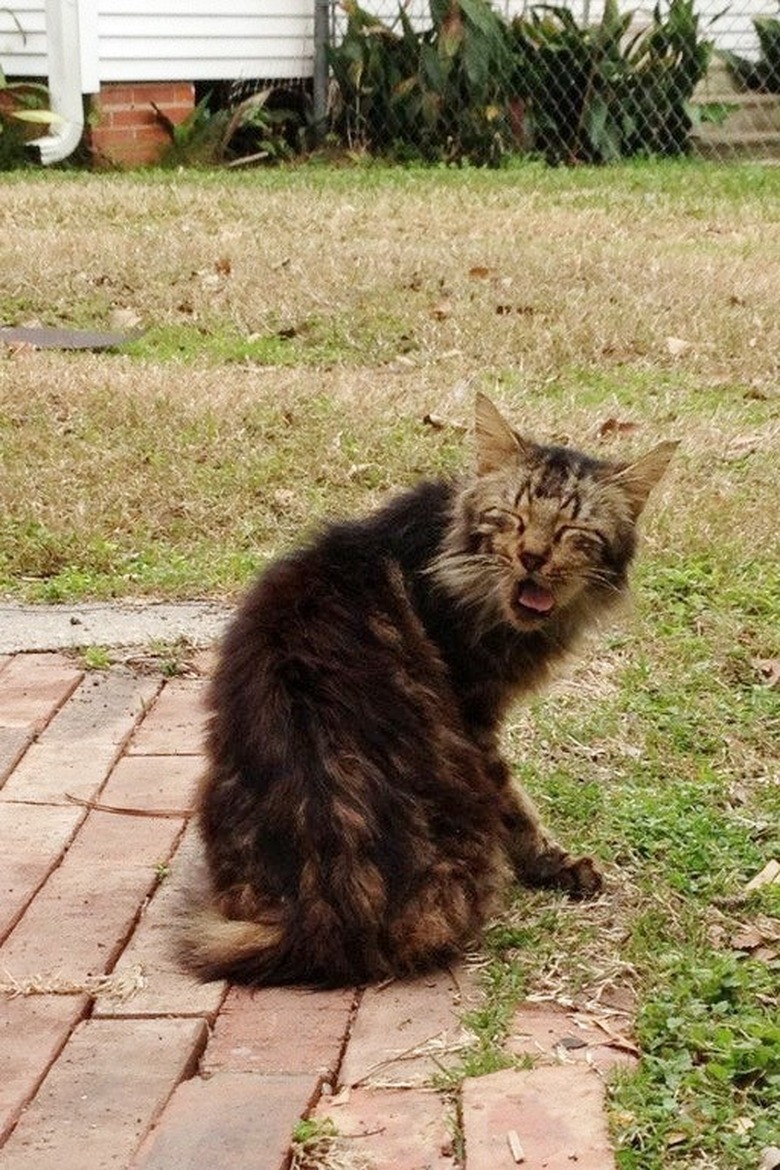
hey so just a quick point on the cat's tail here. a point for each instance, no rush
(215, 947)
(215, 943)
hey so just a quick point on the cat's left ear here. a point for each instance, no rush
(498, 445)
(638, 479)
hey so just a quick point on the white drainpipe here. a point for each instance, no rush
(65, 93)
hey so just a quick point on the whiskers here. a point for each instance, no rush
(477, 582)
(602, 579)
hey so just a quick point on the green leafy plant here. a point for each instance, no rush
(597, 94)
(438, 94)
(258, 129)
(22, 104)
(763, 74)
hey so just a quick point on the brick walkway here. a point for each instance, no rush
(111, 1057)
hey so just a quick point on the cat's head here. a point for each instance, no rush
(543, 533)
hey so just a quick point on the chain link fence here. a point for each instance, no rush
(591, 81)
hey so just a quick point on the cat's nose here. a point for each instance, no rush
(532, 561)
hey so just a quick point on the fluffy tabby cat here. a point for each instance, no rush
(357, 817)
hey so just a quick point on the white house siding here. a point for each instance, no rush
(23, 38)
(169, 40)
(192, 40)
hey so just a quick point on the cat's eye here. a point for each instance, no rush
(500, 520)
(587, 540)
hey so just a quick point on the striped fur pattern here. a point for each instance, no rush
(357, 818)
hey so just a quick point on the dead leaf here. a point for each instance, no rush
(441, 424)
(676, 346)
(481, 272)
(759, 937)
(676, 1138)
(441, 310)
(769, 668)
(769, 875)
(223, 266)
(617, 426)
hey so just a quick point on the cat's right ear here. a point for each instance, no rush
(497, 444)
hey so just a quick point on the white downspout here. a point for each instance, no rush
(65, 93)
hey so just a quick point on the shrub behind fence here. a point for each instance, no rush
(465, 80)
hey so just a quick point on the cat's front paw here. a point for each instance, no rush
(578, 876)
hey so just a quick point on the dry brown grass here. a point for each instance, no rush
(372, 298)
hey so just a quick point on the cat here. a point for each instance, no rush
(357, 819)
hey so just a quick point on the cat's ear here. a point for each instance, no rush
(638, 479)
(497, 444)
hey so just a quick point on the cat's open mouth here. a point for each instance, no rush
(534, 600)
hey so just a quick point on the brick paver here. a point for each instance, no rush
(112, 1056)
(229, 1120)
(555, 1113)
(111, 1081)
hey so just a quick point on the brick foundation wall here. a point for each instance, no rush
(124, 130)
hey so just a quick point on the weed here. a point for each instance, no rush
(95, 658)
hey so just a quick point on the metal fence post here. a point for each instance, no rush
(320, 81)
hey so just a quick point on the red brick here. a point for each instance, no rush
(14, 741)
(76, 752)
(552, 1034)
(404, 1031)
(557, 1114)
(174, 724)
(154, 782)
(102, 1095)
(106, 708)
(393, 1129)
(34, 839)
(33, 687)
(228, 1120)
(79, 921)
(33, 1031)
(167, 989)
(280, 1030)
(113, 95)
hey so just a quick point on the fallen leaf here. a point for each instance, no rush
(440, 424)
(769, 875)
(676, 1138)
(759, 936)
(481, 272)
(617, 426)
(441, 310)
(224, 266)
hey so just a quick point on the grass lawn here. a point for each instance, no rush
(312, 340)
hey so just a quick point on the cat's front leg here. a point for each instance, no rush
(539, 860)
(537, 857)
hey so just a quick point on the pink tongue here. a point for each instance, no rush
(535, 597)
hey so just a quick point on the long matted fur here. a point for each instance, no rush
(357, 817)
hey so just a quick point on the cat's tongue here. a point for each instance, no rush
(535, 597)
